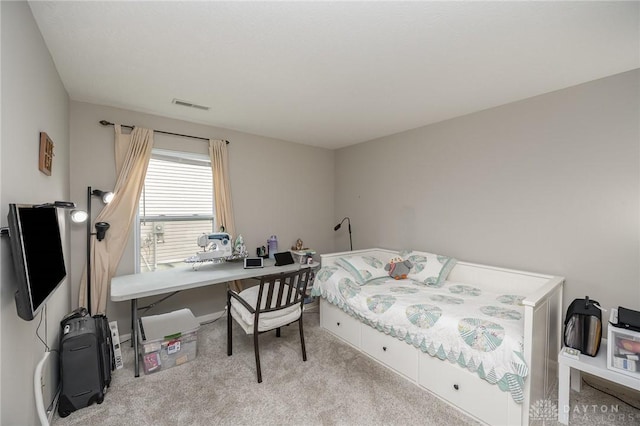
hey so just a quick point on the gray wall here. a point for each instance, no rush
(279, 188)
(549, 184)
(33, 100)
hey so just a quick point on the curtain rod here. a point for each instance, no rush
(106, 123)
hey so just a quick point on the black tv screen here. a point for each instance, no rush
(36, 249)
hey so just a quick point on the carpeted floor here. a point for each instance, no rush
(336, 386)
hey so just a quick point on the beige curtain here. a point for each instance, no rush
(221, 187)
(222, 191)
(132, 153)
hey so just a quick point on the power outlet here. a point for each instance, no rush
(571, 353)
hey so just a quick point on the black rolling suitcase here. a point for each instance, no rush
(85, 362)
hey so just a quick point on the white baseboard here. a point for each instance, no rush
(46, 382)
(312, 306)
(201, 319)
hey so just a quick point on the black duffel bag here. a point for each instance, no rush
(583, 326)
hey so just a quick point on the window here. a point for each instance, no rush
(175, 207)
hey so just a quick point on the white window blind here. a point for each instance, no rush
(176, 206)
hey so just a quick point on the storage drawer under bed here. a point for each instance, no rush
(466, 390)
(390, 351)
(338, 322)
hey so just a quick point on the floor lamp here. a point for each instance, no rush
(101, 230)
(335, 228)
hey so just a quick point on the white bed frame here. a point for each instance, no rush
(450, 382)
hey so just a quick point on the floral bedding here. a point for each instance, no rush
(479, 330)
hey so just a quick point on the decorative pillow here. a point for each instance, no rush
(428, 268)
(362, 268)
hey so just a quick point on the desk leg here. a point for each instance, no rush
(134, 334)
(131, 323)
(564, 372)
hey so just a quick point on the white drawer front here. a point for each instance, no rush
(465, 390)
(339, 323)
(393, 352)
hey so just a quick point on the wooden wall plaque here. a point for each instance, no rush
(46, 154)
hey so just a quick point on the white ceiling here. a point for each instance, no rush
(331, 74)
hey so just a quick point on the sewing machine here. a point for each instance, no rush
(214, 246)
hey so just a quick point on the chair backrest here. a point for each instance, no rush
(279, 291)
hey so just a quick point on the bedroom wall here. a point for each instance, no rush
(33, 100)
(550, 184)
(278, 188)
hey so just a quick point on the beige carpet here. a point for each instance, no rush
(336, 386)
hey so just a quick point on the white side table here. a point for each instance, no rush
(570, 373)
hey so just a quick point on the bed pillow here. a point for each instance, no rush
(362, 267)
(428, 268)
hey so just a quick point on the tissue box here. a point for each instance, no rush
(168, 340)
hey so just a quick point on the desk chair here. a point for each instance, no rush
(282, 299)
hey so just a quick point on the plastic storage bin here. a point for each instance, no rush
(302, 256)
(623, 349)
(168, 340)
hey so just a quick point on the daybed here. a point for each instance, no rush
(482, 338)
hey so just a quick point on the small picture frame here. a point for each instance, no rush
(309, 260)
(45, 160)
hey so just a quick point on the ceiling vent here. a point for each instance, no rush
(189, 104)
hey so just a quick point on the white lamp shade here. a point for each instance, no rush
(107, 197)
(79, 216)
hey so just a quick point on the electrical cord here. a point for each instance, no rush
(610, 394)
(42, 314)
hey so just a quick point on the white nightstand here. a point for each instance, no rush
(569, 374)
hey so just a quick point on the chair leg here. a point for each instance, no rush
(257, 351)
(229, 321)
(304, 349)
(278, 332)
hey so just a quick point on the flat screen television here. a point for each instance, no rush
(38, 260)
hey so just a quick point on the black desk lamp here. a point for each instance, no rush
(335, 228)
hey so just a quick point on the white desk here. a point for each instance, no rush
(135, 286)
(569, 373)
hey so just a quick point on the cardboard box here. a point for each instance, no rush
(168, 340)
(115, 342)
